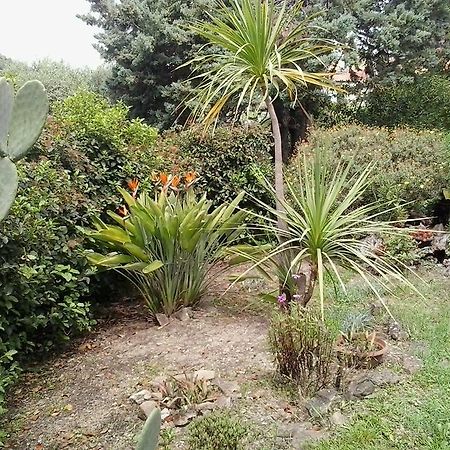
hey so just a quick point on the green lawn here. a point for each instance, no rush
(414, 414)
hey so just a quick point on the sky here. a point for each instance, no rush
(37, 29)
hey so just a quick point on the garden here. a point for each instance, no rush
(234, 236)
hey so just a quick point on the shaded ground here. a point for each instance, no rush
(79, 400)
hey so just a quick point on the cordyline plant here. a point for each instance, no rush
(325, 233)
(170, 247)
(256, 50)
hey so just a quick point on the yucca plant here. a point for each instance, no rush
(170, 247)
(325, 233)
(256, 50)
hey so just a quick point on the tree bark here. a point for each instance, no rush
(279, 182)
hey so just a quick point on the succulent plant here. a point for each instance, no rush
(22, 117)
(150, 433)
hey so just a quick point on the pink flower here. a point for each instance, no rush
(281, 299)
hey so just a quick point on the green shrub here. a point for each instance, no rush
(410, 167)
(72, 174)
(227, 161)
(217, 431)
(171, 247)
(422, 103)
(402, 247)
(303, 348)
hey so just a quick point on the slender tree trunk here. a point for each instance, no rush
(279, 183)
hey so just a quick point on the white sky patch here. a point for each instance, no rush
(35, 29)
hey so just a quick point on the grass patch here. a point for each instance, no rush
(414, 414)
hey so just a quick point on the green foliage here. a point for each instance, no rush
(410, 167)
(22, 119)
(43, 281)
(422, 103)
(60, 80)
(150, 434)
(403, 247)
(227, 161)
(146, 42)
(87, 115)
(217, 431)
(303, 348)
(71, 174)
(325, 231)
(393, 39)
(169, 247)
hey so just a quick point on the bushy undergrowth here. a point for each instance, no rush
(410, 168)
(72, 173)
(217, 431)
(227, 161)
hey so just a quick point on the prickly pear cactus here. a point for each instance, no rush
(22, 117)
(150, 433)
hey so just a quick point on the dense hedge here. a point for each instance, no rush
(410, 168)
(87, 149)
(228, 161)
(424, 103)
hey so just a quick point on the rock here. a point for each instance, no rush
(304, 435)
(223, 402)
(319, 405)
(165, 413)
(338, 419)
(162, 319)
(182, 419)
(229, 388)
(376, 309)
(205, 406)
(372, 245)
(204, 375)
(440, 239)
(146, 408)
(360, 388)
(385, 377)
(412, 364)
(394, 331)
(183, 314)
(141, 396)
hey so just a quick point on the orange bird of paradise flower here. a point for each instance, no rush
(175, 182)
(133, 185)
(163, 178)
(190, 178)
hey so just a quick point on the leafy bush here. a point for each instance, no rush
(422, 103)
(169, 247)
(303, 349)
(43, 282)
(217, 431)
(402, 247)
(227, 161)
(71, 174)
(410, 167)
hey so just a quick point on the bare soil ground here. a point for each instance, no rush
(80, 399)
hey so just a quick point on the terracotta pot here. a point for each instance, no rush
(362, 358)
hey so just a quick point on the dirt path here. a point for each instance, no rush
(80, 399)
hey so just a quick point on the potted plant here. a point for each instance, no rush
(358, 345)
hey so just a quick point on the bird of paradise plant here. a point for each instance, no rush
(170, 247)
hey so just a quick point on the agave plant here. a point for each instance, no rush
(326, 230)
(170, 247)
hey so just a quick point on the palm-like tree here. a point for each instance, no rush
(257, 50)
